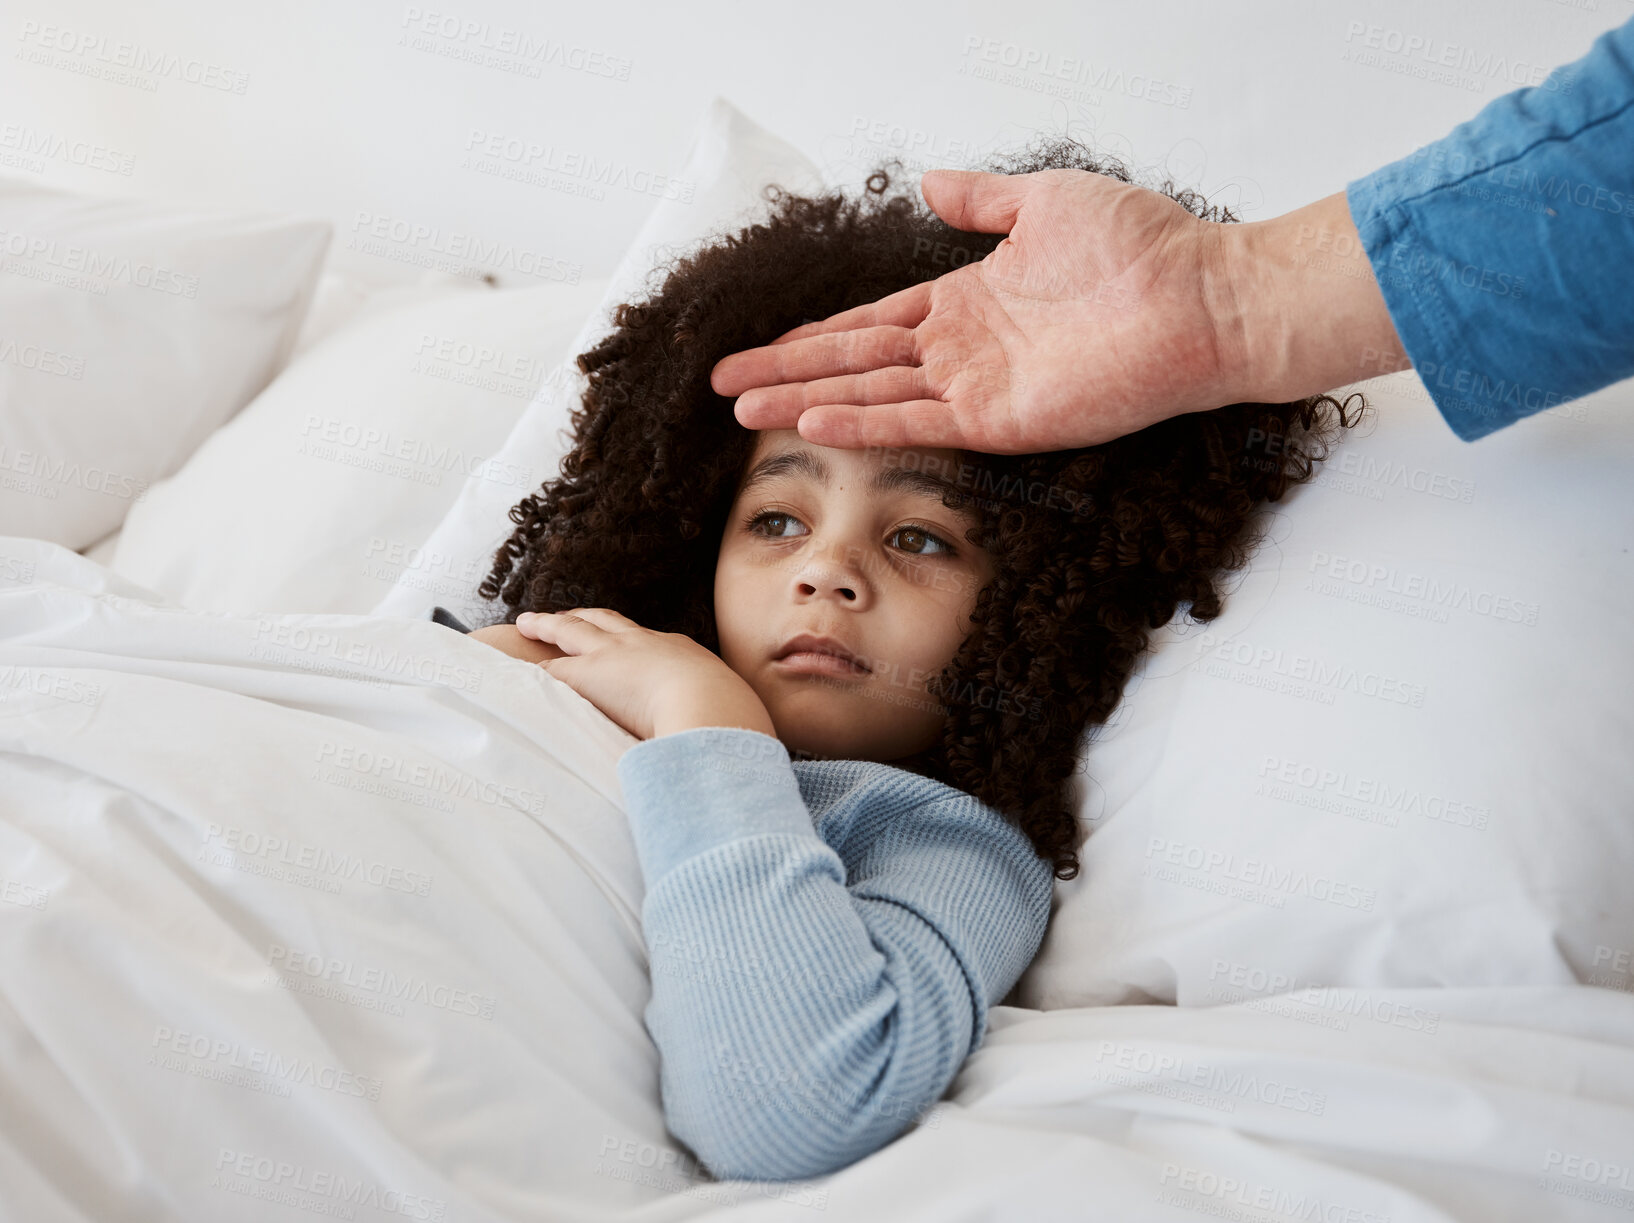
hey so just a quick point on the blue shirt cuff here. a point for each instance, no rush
(1503, 249)
(689, 792)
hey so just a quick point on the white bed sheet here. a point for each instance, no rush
(245, 973)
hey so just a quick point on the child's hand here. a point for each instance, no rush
(650, 683)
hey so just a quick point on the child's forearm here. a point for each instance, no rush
(809, 1006)
(772, 1008)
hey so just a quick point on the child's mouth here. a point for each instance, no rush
(822, 664)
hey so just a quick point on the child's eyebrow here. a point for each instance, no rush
(884, 479)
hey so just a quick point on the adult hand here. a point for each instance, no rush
(1107, 308)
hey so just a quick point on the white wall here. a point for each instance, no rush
(331, 108)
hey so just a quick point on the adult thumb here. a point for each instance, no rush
(974, 200)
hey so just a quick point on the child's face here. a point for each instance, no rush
(847, 561)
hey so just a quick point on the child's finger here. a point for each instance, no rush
(567, 633)
(574, 620)
(562, 675)
(555, 628)
(602, 617)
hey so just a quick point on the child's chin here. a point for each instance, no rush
(809, 735)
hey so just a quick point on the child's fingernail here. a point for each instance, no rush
(525, 618)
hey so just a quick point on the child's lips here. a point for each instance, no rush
(809, 661)
(822, 644)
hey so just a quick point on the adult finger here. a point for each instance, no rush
(976, 201)
(818, 356)
(904, 308)
(848, 426)
(778, 407)
(862, 338)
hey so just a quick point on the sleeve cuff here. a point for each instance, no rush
(692, 791)
(1417, 311)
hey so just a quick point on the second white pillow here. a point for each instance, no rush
(319, 496)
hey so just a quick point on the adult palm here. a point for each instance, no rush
(1107, 308)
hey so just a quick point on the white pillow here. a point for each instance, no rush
(732, 160)
(102, 552)
(319, 495)
(343, 298)
(1400, 757)
(338, 300)
(129, 331)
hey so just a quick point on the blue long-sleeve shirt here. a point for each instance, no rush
(826, 939)
(1505, 250)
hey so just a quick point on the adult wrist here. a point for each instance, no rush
(1311, 314)
(1229, 298)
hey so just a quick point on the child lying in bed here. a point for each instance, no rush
(848, 841)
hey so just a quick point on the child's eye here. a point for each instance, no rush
(755, 519)
(921, 533)
(912, 529)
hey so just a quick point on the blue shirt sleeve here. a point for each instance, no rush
(804, 1019)
(1505, 250)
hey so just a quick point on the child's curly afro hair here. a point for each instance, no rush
(636, 517)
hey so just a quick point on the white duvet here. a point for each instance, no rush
(338, 916)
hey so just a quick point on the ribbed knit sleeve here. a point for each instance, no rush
(807, 1006)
